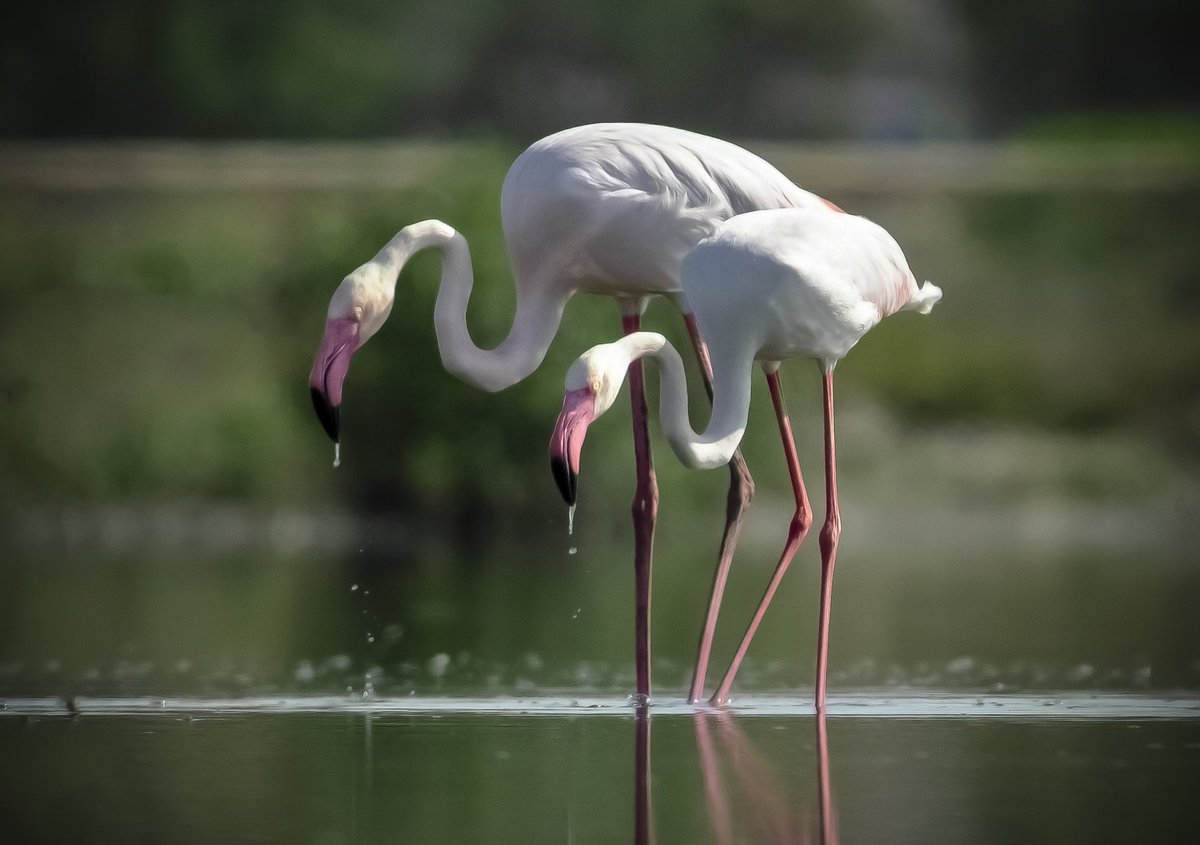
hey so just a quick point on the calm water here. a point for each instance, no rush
(496, 621)
(192, 693)
(908, 769)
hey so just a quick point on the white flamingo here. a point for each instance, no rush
(766, 286)
(606, 209)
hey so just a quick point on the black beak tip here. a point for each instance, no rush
(326, 413)
(565, 479)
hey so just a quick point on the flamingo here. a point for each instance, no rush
(767, 285)
(606, 209)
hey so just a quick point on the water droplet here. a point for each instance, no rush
(370, 638)
(572, 550)
(305, 672)
(575, 615)
(438, 664)
(353, 588)
(337, 455)
(570, 520)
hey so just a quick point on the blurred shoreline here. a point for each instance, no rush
(849, 168)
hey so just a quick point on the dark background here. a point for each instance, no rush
(914, 70)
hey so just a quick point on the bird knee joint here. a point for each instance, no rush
(741, 484)
(831, 532)
(645, 506)
(802, 520)
(746, 489)
(740, 494)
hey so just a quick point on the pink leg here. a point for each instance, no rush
(831, 532)
(741, 491)
(645, 513)
(797, 531)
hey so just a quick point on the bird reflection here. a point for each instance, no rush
(736, 775)
(772, 813)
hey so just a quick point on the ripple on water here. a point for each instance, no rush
(928, 705)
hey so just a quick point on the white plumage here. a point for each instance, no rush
(612, 208)
(779, 285)
(766, 286)
(607, 208)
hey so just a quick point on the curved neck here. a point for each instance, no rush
(538, 313)
(731, 400)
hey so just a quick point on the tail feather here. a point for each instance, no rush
(925, 299)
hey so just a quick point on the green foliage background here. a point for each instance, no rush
(155, 344)
(744, 68)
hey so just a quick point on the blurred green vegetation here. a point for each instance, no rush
(155, 344)
(764, 68)
(274, 70)
(1078, 312)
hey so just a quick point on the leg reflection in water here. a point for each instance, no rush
(770, 809)
(828, 815)
(642, 826)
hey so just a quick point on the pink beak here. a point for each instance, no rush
(329, 371)
(578, 411)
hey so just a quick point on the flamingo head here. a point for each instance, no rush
(358, 308)
(591, 387)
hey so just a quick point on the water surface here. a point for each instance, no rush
(916, 768)
(440, 694)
